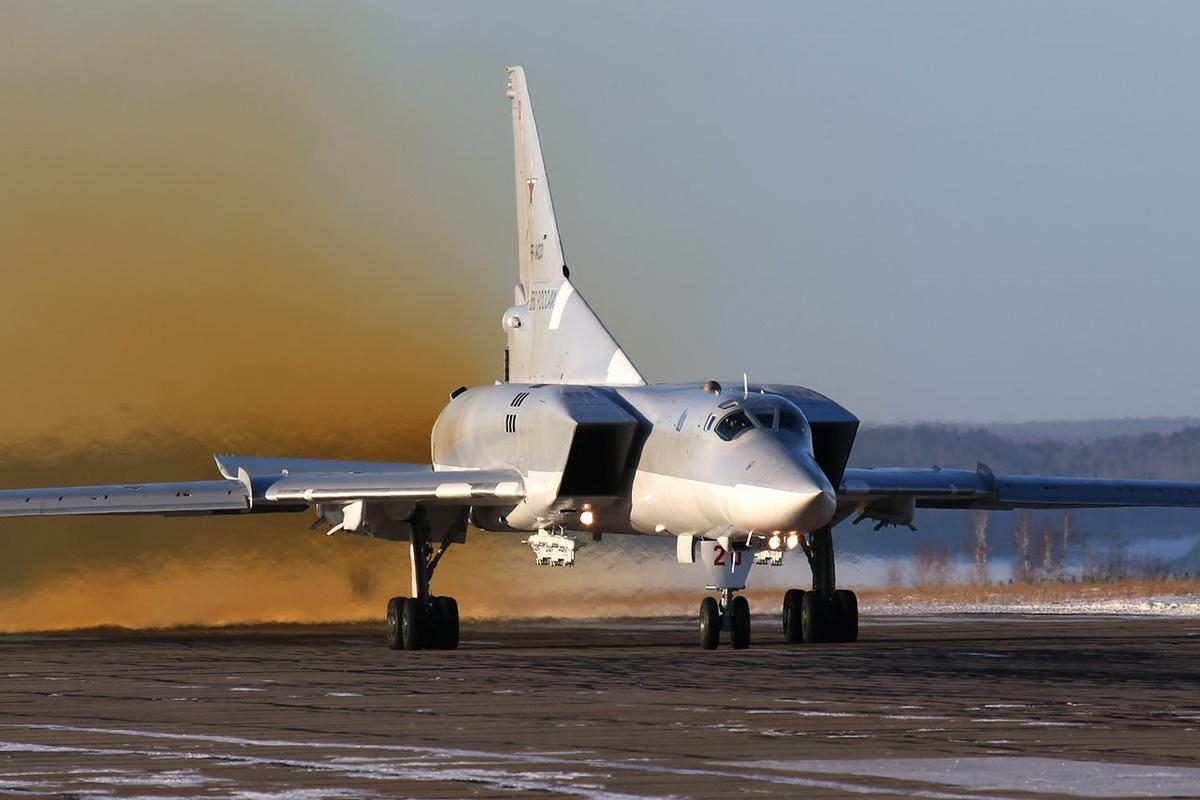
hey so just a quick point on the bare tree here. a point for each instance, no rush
(1049, 557)
(933, 565)
(979, 523)
(923, 565)
(1022, 541)
(1105, 560)
(1116, 562)
(1066, 541)
(1091, 561)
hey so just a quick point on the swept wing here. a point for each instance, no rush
(981, 488)
(196, 497)
(255, 484)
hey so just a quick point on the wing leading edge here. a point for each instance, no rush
(196, 497)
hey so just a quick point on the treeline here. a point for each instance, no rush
(1043, 548)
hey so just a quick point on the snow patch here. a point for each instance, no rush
(1016, 773)
(1160, 606)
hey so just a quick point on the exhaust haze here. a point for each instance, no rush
(216, 237)
(203, 230)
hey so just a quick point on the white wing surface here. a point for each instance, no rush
(891, 495)
(960, 488)
(196, 497)
(303, 480)
(254, 484)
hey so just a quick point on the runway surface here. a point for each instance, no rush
(948, 707)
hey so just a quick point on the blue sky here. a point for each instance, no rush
(959, 211)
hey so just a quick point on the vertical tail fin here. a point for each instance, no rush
(553, 335)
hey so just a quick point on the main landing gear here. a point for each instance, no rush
(731, 614)
(809, 617)
(826, 613)
(423, 622)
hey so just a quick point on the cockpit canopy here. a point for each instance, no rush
(767, 412)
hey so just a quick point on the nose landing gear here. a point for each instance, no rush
(731, 614)
(726, 564)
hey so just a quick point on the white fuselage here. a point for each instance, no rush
(648, 460)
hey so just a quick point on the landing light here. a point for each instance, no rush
(793, 540)
(774, 541)
(586, 518)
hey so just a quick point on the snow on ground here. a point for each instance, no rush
(1159, 606)
(1014, 774)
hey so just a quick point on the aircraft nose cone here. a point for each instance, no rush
(801, 500)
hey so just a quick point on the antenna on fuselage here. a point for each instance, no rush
(745, 386)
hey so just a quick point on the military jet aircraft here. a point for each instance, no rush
(573, 440)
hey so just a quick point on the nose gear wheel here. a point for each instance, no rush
(710, 624)
(731, 614)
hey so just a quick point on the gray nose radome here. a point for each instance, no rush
(820, 511)
(761, 508)
(796, 497)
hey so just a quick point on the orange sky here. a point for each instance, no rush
(215, 238)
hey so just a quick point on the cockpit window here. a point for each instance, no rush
(765, 417)
(733, 425)
(791, 421)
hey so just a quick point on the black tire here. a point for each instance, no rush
(814, 623)
(710, 624)
(412, 624)
(739, 619)
(845, 611)
(394, 641)
(792, 614)
(445, 623)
